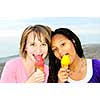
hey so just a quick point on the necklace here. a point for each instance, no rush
(80, 71)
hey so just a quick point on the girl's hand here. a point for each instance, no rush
(37, 77)
(63, 75)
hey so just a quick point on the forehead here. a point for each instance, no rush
(59, 37)
(33, 36)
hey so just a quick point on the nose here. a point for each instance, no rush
(38, 50)
(60, 51)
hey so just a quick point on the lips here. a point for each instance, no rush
(36, 55)
(64, 54)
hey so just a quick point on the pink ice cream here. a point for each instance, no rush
(39, 62)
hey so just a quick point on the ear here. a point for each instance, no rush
(73, 41)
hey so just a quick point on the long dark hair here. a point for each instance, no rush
(54, 63)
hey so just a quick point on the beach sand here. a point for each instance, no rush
(92, 51)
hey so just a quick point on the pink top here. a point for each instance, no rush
(14, 72)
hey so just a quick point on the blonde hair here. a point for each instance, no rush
(38, 29)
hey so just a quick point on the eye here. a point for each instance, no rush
(33, 44)
(44, 44)
(54, 49)
(63, 44)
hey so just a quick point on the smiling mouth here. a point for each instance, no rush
(37, 55)
(65, 54)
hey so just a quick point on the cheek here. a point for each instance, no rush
(73, 53)
(57, 55)
(45, 50)
(30, 50)
(72, 50)
(69, 48)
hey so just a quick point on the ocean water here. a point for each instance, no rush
(89, 38)
(9, 46)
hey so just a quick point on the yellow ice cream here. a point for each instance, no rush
(65, 61)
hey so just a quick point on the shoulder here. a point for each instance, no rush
(13, 63)
(46, 68)
(96, 71)
(96, 65)
(96, 62)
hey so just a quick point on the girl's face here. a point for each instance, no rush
(36, 47)
(61, 46)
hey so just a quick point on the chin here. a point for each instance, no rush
(44, 56)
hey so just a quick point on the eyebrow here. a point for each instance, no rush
(58, 42)
(61, 41)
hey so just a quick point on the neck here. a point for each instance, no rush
(78, 69)
(77, 64)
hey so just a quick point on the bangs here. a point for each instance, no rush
(40, 36)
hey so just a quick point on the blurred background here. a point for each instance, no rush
(86, 28)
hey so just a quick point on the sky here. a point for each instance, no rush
(87, 28)
(15, 15)
(80, 25)
(81, 17)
